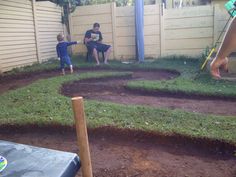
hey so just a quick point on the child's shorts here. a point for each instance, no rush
(65, 60)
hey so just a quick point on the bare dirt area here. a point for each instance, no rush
(114, 90)
(133, 154)
(13, 82)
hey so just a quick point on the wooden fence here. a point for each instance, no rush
(185, 31)
(28, 32)
(118, 28)
(84, 17)
(188, 31)
(48, 19)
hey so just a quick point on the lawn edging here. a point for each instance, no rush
(211, 145)
(186, 87)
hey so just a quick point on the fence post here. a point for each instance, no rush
(162, 31)
(214, 24)
(36, 30)
(71, 32)
(113, 20)
(82, 136)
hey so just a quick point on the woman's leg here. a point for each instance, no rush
(107, 54)
(92, 47)
(95, 54)
(227, 47)
(106, 49)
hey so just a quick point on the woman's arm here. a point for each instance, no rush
(228, 46)
(86, 40)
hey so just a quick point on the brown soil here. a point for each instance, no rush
(113, 90)
(12, 82)
(134, 154)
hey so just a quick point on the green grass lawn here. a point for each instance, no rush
(203, 85)
(41, 103)
(191, 81)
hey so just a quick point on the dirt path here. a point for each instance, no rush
(22, 80)
(116, 154)
(113, 90)
(12, 82)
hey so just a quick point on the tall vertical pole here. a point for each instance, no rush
(82, 136)
(162, 31)
(36, 30)
(113, 11)
(139, 29)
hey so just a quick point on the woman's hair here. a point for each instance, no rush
(96, 25)
(60, 37)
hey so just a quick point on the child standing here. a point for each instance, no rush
(62, 52)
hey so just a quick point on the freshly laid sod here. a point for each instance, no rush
(79, 62)
(41, 103)
(191, 81)
(203, 85)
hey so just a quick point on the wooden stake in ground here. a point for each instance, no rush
(82, 136)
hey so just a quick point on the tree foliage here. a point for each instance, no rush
(71, 4)
(118, 2)
(124, 2)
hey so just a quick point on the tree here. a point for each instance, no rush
(204, 2)
(71, 4)
(68, 6)
(124, 2)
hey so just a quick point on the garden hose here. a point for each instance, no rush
(208, 58)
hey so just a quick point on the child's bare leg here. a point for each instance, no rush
(71, 69)
(227, 47)
(63, 71)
